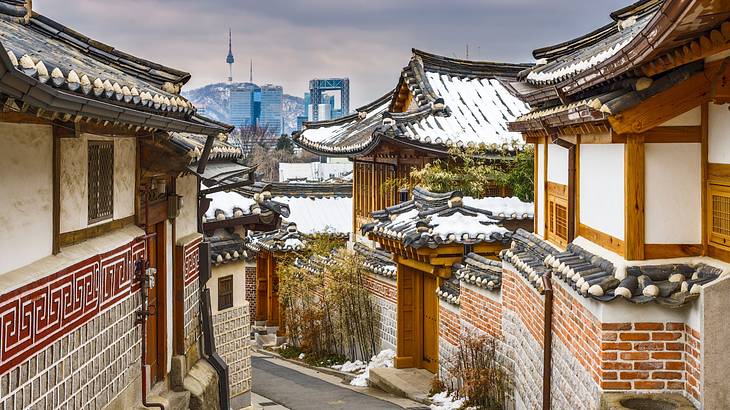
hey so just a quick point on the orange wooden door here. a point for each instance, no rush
(407, 327)
(430, 324)
(262, 287)
(273, 319)
(155, 300)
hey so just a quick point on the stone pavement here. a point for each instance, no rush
(288, 385)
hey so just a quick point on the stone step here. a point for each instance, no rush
(414, 384)
(266, 340)
(260, 323)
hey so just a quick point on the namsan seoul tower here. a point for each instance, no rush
(229, 59)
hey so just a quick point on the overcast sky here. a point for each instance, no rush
(291, 42)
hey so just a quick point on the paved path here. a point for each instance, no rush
(300, 388)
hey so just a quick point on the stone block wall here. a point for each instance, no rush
(385, 293)
(69, 340)
(250, 291)
(232, 328)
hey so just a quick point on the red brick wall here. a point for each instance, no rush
(619, 356)
(481, 311)
(250, 291)
(449, 325)
(578, 329)
(650, 356)
(519, 297)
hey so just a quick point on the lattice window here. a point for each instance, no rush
(101, 180)
(557, 214)
(225, 292)
(719, 217)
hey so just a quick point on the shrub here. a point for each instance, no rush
(477, 375)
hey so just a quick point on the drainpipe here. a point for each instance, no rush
(144, 282)
(547, 341)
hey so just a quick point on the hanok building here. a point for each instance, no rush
(100, 241)
(427, 236)
(629, 124)
(439, 102)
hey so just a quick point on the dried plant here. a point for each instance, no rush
(477, 375)
(329, 313)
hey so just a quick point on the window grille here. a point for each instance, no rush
(719, 218)
(225, 292)
(101, 180)
(557, 214)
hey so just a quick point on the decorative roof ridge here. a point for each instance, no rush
(467, 68)
(639, 8)
(346, 118)
(156, 72)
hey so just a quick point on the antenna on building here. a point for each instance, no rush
(250, 72)
(229, 59)
(467, 51)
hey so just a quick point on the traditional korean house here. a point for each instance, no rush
(100, 241)
(427, 236)
(439, 102)
(629, 124)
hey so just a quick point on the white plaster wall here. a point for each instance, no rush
(125, 154)
(187, 220)
(689, 118)
(718, 138)
(238, 270)
(74, 180)
(26, 194)
(673, 190)
(557, 164)
(540, 198)
(602, 188)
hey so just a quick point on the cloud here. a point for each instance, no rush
(291, 42)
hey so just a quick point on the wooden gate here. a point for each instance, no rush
(262, 287)
(417, 329)
(156, 326)
(430, 324)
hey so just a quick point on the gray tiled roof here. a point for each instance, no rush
(55, 68)
(671, 285)
(450, 291)
(432, 219)
(377, 260)
(480, 271)
(287, 239)
(227, 248)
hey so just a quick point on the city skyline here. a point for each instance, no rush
(290, 45)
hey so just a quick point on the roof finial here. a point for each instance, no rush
(229, 59)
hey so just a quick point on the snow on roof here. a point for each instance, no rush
(480, 109)
(510, 208)
(319, 215)
(228, 202)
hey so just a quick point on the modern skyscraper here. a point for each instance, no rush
(243, 104)
(229, 59)
(271, 108)
(317, 89)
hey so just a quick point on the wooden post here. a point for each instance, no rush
(704, 127)
(203, 160)
(56, 244)
(634, 197)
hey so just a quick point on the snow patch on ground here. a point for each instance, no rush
(382, 359)
(351, 367)
(446, 401)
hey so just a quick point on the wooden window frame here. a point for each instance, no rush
(557, 196)
(228, 295)
(95, 214)
(715, 239)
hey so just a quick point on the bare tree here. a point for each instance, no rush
(251, 136)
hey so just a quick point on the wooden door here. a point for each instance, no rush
(273, 280)
(407, 349)
(155, 343)
(262, 287)
(430, 324)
